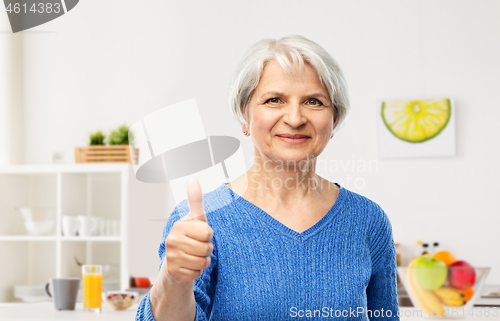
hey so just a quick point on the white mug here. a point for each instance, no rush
(101, 230)
(87, 225)
(116, 228)
(69, 225)
(100, 226)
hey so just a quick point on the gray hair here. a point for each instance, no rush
(287, 51)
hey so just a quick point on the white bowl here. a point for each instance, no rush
(120, 300)
(37, 220)
(38, 227)
(36, 213)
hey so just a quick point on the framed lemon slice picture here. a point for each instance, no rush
(417, 128)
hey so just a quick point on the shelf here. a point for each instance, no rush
(62, 238)
(27, 238)
(64, 168)
(109, 191)
(91, 238)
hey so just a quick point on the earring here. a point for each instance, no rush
(331, 136)
(245, 133)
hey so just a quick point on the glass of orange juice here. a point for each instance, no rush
(92, 287)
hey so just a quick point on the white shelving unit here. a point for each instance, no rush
(76, 189)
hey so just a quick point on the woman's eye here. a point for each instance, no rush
(273, 100)
(314, 102)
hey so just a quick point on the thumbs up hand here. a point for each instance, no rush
(189, 243)
(195, 201)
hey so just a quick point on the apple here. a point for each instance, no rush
(461, 275)
(430, 273)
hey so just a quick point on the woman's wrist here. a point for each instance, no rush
(172, 299)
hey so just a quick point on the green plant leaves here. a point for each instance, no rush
(97, 138)
(119, 136)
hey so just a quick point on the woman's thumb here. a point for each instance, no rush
(195, 200)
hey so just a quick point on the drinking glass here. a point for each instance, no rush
(92, 287)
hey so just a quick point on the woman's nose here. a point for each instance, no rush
(294, 116)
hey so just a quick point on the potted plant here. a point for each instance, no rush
(117, 150)
(97, 138)
(121, 136)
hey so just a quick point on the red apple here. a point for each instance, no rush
(461, 275)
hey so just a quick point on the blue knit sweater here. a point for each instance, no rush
(342, 267)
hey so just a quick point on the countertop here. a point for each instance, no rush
(45, 311)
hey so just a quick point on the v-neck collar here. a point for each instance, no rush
(262, 215)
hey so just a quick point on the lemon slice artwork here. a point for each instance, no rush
(416, 121)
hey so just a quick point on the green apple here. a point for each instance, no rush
(430, 273)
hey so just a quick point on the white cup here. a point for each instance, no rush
(69, 225)
(101, 230)
(87, 225)
(109, 228)
(116, 228)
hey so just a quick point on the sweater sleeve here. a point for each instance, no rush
(382, 288)
(204, 285)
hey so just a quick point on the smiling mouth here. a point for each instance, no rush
(293, 136)
(293, 140)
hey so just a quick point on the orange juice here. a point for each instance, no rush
(92, 288)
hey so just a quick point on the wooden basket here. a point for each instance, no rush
(106, 154)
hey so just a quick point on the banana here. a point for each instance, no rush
(409, 278)
(449, 293)
(426, 300)
(453, 303)
(431, 300)
(450, 296)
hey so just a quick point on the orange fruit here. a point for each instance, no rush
(447, 257)
(468, 294)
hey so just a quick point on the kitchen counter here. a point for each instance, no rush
(45, 311)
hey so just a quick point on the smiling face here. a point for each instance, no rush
(281, 107)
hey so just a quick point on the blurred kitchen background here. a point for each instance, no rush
(108, 63)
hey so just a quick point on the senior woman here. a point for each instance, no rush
(280, 242)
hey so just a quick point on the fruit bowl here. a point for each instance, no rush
(439, 292)
(120, 300)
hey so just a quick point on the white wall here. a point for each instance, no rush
(11, 129)
(109, 62)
